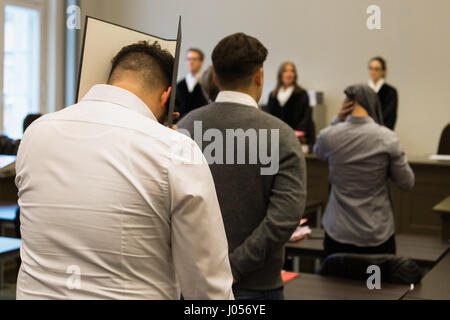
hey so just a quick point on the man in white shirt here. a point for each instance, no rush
(112, 205)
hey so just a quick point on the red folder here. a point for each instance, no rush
(288, 276)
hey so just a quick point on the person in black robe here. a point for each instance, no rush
(290, 103)
(189, 95)
(388, 95)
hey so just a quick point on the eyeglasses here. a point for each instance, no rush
(375, 69)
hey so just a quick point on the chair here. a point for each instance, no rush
(444, 145)
(354, 266)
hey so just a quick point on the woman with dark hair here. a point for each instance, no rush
(387, 94)
(290, 103)
(362, 156)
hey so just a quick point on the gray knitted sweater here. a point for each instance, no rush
(261, 201)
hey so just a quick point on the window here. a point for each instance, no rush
(20, 64)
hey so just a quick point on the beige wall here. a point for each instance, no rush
(329, 42)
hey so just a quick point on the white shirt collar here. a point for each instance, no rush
(237, 97)
(377, 87)
(284, 95)
(192, 81)
(122, 97)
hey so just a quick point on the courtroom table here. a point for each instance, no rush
(425, 250)
(316, 287)
(435, 285)
(443, 208)
(413, 210)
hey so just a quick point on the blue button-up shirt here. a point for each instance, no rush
(362, 157)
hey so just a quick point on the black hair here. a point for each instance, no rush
(199, 52)
(381, 61)
(153, 63)
(29, 119)
(236, 58)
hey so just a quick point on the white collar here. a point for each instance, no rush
(119, 96)
(192, 81)
(377, 87)
(284, 95)
(236, 97)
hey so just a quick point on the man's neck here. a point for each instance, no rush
(375, 82)
(360, 112)
(251, 93)
(194, 74)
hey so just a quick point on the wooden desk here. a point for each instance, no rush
(425, 250)
(316, 287)
(8, 192)
(435, 285)
(443, 208)
(413, 210)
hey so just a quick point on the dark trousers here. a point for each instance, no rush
(331, 246)
(277, 294)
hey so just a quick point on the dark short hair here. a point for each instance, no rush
(29, 119)
(236, 58)
(381, 61)
(199, 52)
(153, 63)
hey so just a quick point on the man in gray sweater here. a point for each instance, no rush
(258, 168)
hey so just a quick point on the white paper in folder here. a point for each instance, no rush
(103, 40)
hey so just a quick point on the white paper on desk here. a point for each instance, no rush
(440, 157)
(7, 166)
(6, 161)
(300, 233)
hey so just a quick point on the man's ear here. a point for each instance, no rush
(259, 77)
(165, 96)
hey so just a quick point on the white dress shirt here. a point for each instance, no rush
(192, 81)
(377, 86)
(284, 94)
(236, 97)
(112, 207)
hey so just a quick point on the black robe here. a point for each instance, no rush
(389, 105)
(297, 113)
(187, 101)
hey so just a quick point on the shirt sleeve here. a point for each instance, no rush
(399, 168)
(303, 113)
(390, 109)
(335, 121)
(199, 243)
(320, 148)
